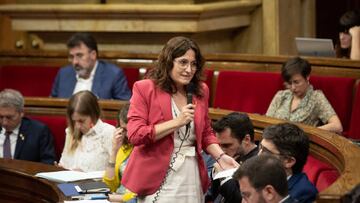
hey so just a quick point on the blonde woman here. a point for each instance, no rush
(88, 138)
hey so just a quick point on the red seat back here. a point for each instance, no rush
(354, 131)
(326, 178)
(57, 125)
(33, 81)
(132, 75)
(339, 92)
(249, 92)
(314, 169)
(209, 75)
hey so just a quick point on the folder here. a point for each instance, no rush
(68, 189)
(93, 187)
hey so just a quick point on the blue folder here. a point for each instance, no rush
(68, 189)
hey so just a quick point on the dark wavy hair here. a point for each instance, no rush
(347, 21)
(289, 140)
(174, 48)
(239, 124)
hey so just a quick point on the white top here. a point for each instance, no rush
(13, 140)
(93, 150)
(85, 84)
(183, 182)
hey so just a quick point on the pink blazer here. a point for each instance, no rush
(150, 159)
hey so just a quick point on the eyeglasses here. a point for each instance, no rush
(184, 63)
(265, 150)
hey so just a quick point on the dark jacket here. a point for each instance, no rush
(34, 142)
(109, 82)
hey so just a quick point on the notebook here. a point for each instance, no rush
(315, 47)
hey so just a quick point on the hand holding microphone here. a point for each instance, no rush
(187, 111)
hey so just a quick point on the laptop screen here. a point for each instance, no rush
(315, 47)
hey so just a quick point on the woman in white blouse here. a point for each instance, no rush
(88, 139)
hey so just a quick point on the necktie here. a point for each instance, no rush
(7, 146)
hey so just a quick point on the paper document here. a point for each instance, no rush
(69, 176)
(225, 173)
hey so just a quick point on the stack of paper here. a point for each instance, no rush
(70, 176)
(225, 173)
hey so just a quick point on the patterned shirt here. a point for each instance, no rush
(93, 151)
(314, 109)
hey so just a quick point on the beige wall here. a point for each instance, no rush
(243, 26)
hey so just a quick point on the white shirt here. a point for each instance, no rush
(93, 150)
(85, 84)
(13, 140)
(284, 199)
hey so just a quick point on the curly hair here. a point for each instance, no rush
(174, 48)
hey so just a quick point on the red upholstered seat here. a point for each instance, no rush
(326, 178)
(209, 74)
(314, 169)
(57, 125)
(354, 131)
(339, 92)
(30, 80)
(132, 75)
(110, 121)
(249, 92)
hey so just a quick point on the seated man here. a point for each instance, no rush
(21, 137)
(262, 179)
(290, 144)
(235, 133)
(104, 79)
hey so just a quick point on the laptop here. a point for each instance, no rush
(315, 47)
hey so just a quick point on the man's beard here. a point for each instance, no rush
(82, 72)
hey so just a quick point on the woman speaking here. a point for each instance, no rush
(168, 125)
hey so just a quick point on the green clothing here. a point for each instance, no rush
(314, 109)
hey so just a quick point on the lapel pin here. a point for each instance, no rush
(22, 137)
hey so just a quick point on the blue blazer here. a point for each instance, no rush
(35, 142)
(301, 189)
(109, 82)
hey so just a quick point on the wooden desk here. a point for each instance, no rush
(328, 147)
(18, 184)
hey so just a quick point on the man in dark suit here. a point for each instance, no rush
(262, 179)
(105, 80)
(21, 137)
(289, 144)
(235, 133)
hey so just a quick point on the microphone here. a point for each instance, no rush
(189, 93)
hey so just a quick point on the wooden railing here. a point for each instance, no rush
(328, 147)
(240, 62)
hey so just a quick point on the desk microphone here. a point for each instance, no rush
(189, 93)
